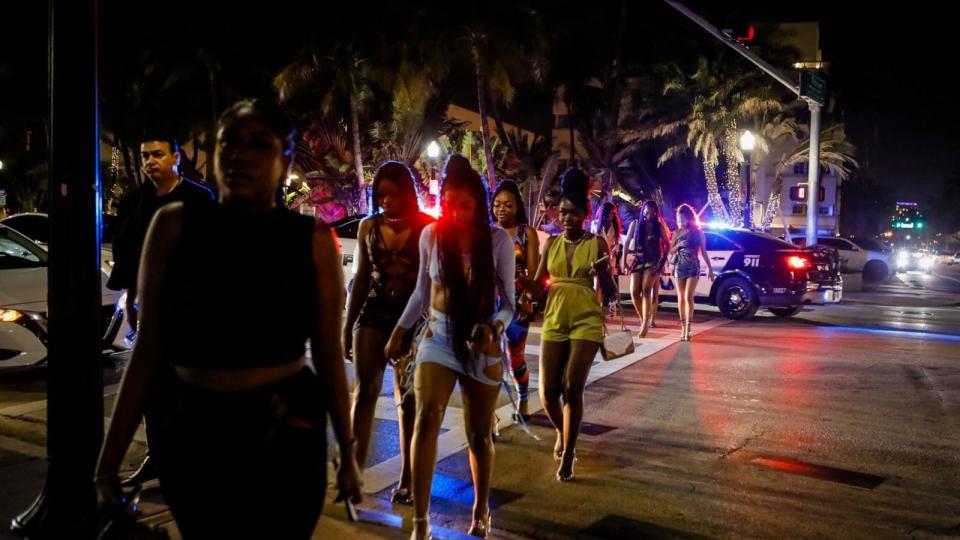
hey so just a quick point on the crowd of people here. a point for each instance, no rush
(220, 368)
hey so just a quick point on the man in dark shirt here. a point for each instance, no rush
(162, 185)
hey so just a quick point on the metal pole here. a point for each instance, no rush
(747, 217)
(735, 45)
(813, 175)
(67, 506)
(814, 165)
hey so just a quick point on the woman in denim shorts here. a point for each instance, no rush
(686, 249)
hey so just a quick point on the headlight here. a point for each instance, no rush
(903, 259)
(9, 315)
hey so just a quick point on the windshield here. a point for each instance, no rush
(16, 251)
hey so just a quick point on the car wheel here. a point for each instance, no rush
(785, 312)
(875, 271)
(737, 299)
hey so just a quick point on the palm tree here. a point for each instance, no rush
(714, 103)
(500, 42)
(343, 76)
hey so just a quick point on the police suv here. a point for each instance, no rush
(755, 270)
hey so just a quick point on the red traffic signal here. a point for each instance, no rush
(799, 193)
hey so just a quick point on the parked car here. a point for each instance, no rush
(23, 303)
(859, 255)
(36, 227)
(346, 229)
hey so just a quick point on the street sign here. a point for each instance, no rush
(3, 198)
(813, 87)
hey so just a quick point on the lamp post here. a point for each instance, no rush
(747, 144)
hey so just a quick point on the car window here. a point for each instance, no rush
(36, 228)
(347, 227)
(17, 251)
(715, 242)
(835, 243)
(757, 242)
(869, 244)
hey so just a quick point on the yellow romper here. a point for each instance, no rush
(572, 311)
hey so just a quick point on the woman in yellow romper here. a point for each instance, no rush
(573, 321)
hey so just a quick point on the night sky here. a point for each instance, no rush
(891, 72)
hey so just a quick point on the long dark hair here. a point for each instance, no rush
(687, 211)
(510, 187)
(397, 173)
(659, 222)
(468, 302)
(609, 216)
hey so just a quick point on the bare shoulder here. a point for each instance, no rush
(168, 222)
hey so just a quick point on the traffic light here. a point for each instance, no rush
(798, 193)
(744, 33)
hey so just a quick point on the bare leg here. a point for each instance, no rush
(647, 302)
(433, 385)
(582, 354)
(369, 364)
(655, 302)
(689, 293)
(479, 402)
(407, 412)
(636, 292)
(553, 359)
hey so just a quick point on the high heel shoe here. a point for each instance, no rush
(568, 476)
(683, 330)
(644, 328)
(558, 450)
(427, 535)
(480, 527)
(401, 496)
(686, 331)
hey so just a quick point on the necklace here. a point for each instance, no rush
(569, 241)
(394, 221)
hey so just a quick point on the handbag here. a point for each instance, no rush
(619, 343)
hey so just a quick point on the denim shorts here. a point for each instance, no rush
(687, 269)
(435, 347)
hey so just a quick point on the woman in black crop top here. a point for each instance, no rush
(388, 257)
(230, 293)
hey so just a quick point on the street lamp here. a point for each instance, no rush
(747, 144)
(433, 150)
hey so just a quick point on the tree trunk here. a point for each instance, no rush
(734, 184)
(713, 192)
(357, 152)
(484, 128)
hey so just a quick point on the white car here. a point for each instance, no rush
(36, 227)
(23, 303)
(346, 230)
(862, 255)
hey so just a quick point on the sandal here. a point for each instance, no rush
(401, 496)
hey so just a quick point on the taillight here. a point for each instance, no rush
(797, 262)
